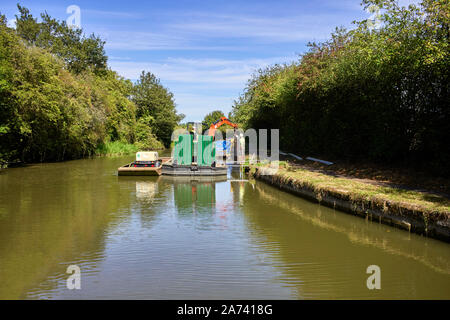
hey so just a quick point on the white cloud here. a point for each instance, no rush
(112, 14)
(196, 106)
(204, 31)
(200, 85)
(263, 29)
(130, 40)
(217, 73)
(146, 41)
(11, 23)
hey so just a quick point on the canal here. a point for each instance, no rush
(179, 238)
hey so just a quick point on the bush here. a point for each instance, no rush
(146, 140)
(59, 101)
(377, 95)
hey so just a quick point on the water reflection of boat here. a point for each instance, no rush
(146, 190)
(146, 164)
(188, 179)
(194, 194)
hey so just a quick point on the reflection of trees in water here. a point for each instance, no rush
(56, 214)
(397, 243)
(324, 253)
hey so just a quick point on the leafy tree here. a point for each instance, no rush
(145, 139)
(49, 113)
(79, 52)
(3, 20)
(155, 101)
(374, 94)
(58, 100)
(210, 118)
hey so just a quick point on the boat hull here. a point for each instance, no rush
(131, 170)
(184, 170)
(139, 171)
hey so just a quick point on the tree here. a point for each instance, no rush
(367, 94)
(154, 100)
(27, 26)
(210, 118)
(3, 20)
(58, 100)
(49, 113)
(79, 52)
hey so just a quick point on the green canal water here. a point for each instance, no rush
(179, 238)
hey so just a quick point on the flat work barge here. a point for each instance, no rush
(171, 169)
(193, 155)
(146, 164)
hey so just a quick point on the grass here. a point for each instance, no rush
(358, 190)
(116, 148)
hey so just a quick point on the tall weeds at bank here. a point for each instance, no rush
(116, 148)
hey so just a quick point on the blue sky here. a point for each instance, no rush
(203, 51)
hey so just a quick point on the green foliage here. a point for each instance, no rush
(47, 112)
(155, 101)
(146, 140)
(59, 101)
(373, 94)
(212, 117)
(78, 52)
(116, 148)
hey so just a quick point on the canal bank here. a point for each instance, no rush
(425, 214)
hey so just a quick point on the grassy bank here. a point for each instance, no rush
(116, 148)
(421, 211)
